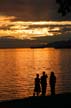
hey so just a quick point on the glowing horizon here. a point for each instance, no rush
(27, 29)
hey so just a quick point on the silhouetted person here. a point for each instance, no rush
(37, 85)
(52, 83)
(43, 83)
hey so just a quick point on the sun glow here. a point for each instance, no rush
(27, 29)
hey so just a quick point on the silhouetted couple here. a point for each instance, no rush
(40, 84)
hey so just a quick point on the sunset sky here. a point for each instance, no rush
(32, 18)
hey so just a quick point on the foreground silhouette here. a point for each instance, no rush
(57, 101)
(37, 85)
(52, 83)
(64, 6)
(44, 83)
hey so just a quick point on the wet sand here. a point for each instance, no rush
(58, 101)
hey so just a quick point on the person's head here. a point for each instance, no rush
(43, 72)
(37, 75)
(52, 73)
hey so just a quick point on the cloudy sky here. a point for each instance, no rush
(31, 9)
(27, 18)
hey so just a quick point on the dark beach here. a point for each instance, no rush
(57, 101)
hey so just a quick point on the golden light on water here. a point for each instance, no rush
(27, 29)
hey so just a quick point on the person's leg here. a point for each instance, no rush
(37, 93)
(44, 91)
(52, 90)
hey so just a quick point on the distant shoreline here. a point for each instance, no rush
(35, 47)
(6, 43)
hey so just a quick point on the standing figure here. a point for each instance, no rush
(43, 83)
(37, 85)
(52, 83)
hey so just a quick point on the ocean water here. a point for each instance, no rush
(18, 68)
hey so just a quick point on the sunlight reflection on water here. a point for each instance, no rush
(18, 68)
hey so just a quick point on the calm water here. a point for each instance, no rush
(18, 68)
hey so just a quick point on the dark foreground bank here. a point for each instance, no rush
(57, 101)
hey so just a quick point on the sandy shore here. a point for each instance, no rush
(57, 101)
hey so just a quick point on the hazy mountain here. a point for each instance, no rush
(60, 44)
(12, 42)
(50, 39)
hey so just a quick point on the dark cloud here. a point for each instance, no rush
(32, 9)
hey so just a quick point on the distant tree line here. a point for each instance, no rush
(64, 6)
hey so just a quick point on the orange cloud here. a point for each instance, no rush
(22, 29)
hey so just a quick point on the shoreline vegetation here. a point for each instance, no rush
(56, 101)
(27, 43)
